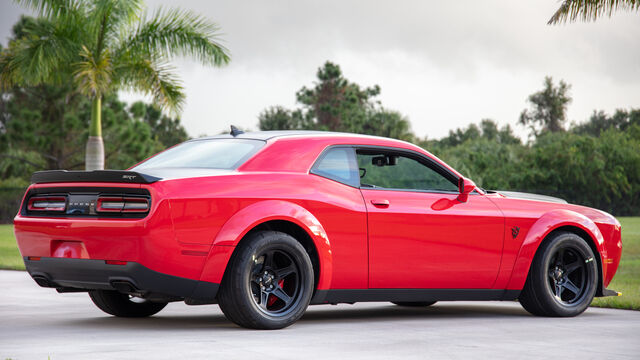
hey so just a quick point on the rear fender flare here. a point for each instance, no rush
(549, 222)
(260, 212)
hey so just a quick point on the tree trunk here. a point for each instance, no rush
(94, 155)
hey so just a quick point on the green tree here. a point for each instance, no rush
(100, 46)
(600, 121)
(280, 118)
(548, 108)
(587, 10)
(487, 129)
(168, 131)
(387, 123)
(602, 172)
(44, 128)
(334, 103)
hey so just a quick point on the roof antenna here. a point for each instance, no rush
(235, 131)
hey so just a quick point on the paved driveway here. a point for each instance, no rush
(37, 323)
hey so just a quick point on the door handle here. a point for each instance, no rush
(380, 202)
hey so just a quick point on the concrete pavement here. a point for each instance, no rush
(38, 323)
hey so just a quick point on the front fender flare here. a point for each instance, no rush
(255, 214)
(547, 223)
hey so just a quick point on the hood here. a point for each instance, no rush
(529, 196)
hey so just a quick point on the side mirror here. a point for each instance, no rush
(465, 187)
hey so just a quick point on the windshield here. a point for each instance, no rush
(211, 153)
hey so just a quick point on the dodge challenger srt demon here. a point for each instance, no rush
(266, 223)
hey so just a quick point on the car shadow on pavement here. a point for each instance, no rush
(319, 313)
(157, 322)
(393, 312)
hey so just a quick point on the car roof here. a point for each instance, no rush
(272, 134)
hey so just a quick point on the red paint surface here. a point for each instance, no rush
(363, 238)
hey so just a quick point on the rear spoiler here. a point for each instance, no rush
(116, 176)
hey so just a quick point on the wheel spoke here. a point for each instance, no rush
(571, 287)
(268, 260)
(264, 296)
(559, 289)
(280, 294)
(283, 273)
(569, 268)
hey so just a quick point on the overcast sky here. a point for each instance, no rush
(443, 64)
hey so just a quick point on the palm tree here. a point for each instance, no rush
(590, 9)
(102, 46)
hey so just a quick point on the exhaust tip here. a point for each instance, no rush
(44, 281)
(125, 286)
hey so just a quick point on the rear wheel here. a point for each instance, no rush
(269, 282)
(562, 278)
(122, 305)
(414, 303)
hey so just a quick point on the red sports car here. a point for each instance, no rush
(266, 223)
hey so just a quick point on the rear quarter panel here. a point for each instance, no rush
(219, 211)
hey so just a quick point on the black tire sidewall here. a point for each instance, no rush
(241, 271)
(115, 303)
(541, 283)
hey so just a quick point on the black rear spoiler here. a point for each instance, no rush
(117, 176)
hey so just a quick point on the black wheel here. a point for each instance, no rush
(122, 305)
(269, 282)
(562, 278)
(414, 303)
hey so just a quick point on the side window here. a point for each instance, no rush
(338, 164)
(395, 171)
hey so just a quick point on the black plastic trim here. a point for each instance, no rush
(92, 191)
(117, 176)
(89, 274)
(410, 295)
(608, 292)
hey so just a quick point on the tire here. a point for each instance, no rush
(268, 283)
(122, 305)
(562, 279)
(414, 303)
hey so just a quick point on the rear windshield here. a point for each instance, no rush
(210, 153)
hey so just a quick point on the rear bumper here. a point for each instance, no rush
(86, 274)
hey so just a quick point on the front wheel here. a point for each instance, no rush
(269, 282)
(562, 278)
(122, 305)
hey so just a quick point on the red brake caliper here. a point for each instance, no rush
(272, 298)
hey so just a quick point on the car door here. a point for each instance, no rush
(419, 234)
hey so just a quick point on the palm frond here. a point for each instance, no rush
(155, 78)
(38, 56)
(177, 33)
(93, 74)
(107, 17)
(52, 8)
(589, 10)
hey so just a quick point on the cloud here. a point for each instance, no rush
(443, 64)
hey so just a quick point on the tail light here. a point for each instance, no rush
(122, 204)
(47, 203)
(110, 204)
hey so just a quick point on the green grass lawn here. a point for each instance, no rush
(9, 255)
(627, 279)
